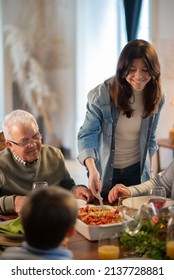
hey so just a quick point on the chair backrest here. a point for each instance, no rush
(2, 141)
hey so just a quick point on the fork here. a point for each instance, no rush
(100, 200)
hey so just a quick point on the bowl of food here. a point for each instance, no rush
(92, 221)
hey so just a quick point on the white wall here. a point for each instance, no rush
(96, 48)
(1, 68)
(162, 21)
(75, 43)
(48, 28)
(81, 35)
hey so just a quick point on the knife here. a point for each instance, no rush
(100, 200)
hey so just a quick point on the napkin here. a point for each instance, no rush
(13, 227)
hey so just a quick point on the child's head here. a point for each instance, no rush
(48, 216)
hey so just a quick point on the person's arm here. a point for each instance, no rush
(19, 201)
(11, 204)
(117, 191)
(67, 182)
(89, 135)
(164, 179)
(94, 183)
(151, 167)
(82, 192)
(7, 205)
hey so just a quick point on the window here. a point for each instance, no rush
(143, 31)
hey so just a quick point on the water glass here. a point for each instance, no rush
(39, 185)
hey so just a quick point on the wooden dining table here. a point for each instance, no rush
(82, 248)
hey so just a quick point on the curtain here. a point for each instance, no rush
(132, 13)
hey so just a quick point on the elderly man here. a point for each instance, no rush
(26, 160)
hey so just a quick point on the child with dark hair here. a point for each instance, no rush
(48, 217)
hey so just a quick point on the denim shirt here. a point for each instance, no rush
(96, 138)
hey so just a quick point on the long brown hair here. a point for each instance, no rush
(121, 91)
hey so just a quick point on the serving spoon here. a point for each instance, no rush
(100, 200)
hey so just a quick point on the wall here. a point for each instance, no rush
(73, 41)
(70, 43)
(162, 22)
(1, 67)
(96, 48)
(48, 27)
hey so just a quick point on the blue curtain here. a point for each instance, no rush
(132, 13)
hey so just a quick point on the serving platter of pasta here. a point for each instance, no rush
(92, 220)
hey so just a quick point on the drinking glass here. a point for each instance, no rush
(157, 197)
(108, 246)
(150, 212)
(125, 201)
(39, 185)
(126, 205)
(170, 234)
(133, 224)
(132, 220)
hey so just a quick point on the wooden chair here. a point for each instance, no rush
(2, 141)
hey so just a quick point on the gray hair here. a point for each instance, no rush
(17, 117)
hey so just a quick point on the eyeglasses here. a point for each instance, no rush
(35, 138)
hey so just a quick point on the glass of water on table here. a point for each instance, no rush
(39, 185)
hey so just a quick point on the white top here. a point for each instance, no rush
(127, 134)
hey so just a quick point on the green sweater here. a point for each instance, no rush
(17, 178)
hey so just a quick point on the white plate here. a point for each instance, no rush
(138, 201)
(81, 203)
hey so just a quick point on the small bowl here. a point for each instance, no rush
(81, 203)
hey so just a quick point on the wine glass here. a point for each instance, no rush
(150, 212)
(158, 197)
(108, 246)
(39, 185)
(132, 220)
(126, 204)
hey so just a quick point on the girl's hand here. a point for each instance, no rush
(94, 183)
(117, 191)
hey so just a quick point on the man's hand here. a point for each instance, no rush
(19, 202)
(117, 191)
(84, 193)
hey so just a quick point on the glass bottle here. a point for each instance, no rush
(170, 234)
